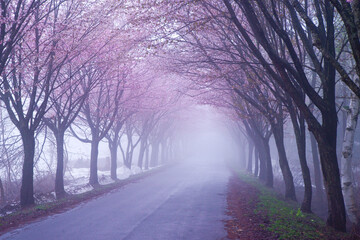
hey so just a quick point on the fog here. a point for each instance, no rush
(205, 138)
(95, 94)
(190, 194)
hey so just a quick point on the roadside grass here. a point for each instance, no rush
(285, 219)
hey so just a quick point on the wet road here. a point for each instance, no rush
(186, 201)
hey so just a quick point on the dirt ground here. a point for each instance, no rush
(244, 223)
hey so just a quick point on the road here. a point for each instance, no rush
(186, 201)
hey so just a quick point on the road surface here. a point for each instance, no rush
(186, 201)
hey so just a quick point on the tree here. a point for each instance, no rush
(113, 138)
(69, 96)
(286, 76)
(100, 110)
(259, 130)
(28, 81)
(17, 16)
(350, 15)
(128, 152)
(64, 110)
(347, 172)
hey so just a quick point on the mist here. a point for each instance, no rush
(204, 137)
(177, 119)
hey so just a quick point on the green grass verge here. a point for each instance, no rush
(285, 219)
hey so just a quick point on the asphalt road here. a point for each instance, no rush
(186, 201)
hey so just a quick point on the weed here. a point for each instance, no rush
(286, 220)
(42, 207)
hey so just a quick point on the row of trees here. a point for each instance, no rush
(272, 62)
(78, 67)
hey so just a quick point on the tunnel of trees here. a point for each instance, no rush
(285, 73)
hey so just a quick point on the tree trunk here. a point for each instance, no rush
(154, 154)
(329, 164)
(250, 156)
(141, 153)
(147, 157)
(127, 160)
(27, 182)
(256, 170)
(301, 145)
(265, 164)
(113, 159)
(127, 164)
(2, 192)
(283, 162)
(93, 180)
(326, 139)
(300, 136)
(59, 178)
(341, 134)
(314, 149)
(317, 170)
(347, 176)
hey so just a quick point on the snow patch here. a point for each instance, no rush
(77, 179)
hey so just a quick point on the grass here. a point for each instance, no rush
(285, 219)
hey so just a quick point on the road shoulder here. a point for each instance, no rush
(257, 212)
(38, 212)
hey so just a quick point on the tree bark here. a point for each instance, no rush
(147, 157)
(256, 170)
(298, 123)
(283, 162)
(2, 192)
(329, 164)
(154, 154)
(141, 153)
(269, 171)
(262, 165)
(163, 151)
(317, 169)
(301, 145)
(250, 156)
(59, 178)
(347, 176)
(113, 159)
(327, 143)
(27, 182)
(93, 180)
(127, 161)
(266, 172)
(341, 134)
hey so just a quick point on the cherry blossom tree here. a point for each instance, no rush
(113, 138)
(99, 112)
(16, 16)
(29, 79)
(72, 89)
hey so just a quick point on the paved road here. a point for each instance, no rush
(186, 201)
